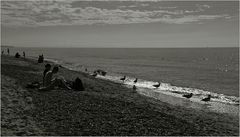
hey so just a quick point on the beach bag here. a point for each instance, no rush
(78, 85)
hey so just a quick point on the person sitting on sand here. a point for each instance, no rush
(17, 55)
(47, 68)
(50, 83)
(40, 59)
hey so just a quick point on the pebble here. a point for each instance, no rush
(29, 100)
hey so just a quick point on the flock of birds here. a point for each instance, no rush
(157, 86)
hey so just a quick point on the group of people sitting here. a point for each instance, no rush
(40, 58)
(51, 80)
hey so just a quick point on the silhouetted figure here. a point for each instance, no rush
(134, 88)
(135, 81)
(85, 69)
(24, 54)
(157, 85)
(78, 85)
(40, 58)
(8, 51)
(123, 78)
(188, 95)
(2, 52)
(17, 55)
(207, 98)
(47, 68)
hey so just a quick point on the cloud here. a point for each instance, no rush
(53, 13)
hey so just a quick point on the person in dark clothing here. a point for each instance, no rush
(40, 58)
(47, 68)
(17, 55)
(24, 54)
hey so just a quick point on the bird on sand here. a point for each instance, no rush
(157, 85)
(207, 98)
(123, 78)
(135, 81)
(188, 95)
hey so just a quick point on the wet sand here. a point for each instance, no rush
(104, 108)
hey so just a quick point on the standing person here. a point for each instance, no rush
(47, 68)
(2, 52)
(24, 54)
(8, 51)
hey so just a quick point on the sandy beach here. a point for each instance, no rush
(104, 108)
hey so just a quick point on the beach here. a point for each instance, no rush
(104, 108)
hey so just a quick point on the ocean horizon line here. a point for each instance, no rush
(121, 47)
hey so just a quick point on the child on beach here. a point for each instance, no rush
(50, 83)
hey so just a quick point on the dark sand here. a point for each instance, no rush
(105, 108)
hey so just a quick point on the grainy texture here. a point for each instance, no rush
(105, 108)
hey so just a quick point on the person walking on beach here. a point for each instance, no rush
(24, 54)
(50, 83)
(8, 51)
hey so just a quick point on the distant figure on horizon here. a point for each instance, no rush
(207, 98)
(157, 85)
(85, 69)
(2, 52)
(17, 55)
(24, 54)
(50, 83)
(8, 51)
(40, 58)
(47, 68)
(123, 78)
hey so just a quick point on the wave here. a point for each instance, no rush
(174, 90)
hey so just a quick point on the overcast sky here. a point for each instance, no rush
(72, 23)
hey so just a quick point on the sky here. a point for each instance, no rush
(127, 24)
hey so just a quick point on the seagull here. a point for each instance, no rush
(123, 78)
(188, 95)
(135, 81)
(207, 99)
(157, 85)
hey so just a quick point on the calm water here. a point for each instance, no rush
(199, 70)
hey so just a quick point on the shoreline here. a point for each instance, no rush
(107, 108)
(214, 84)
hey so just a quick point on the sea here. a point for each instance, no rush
(201, 71)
